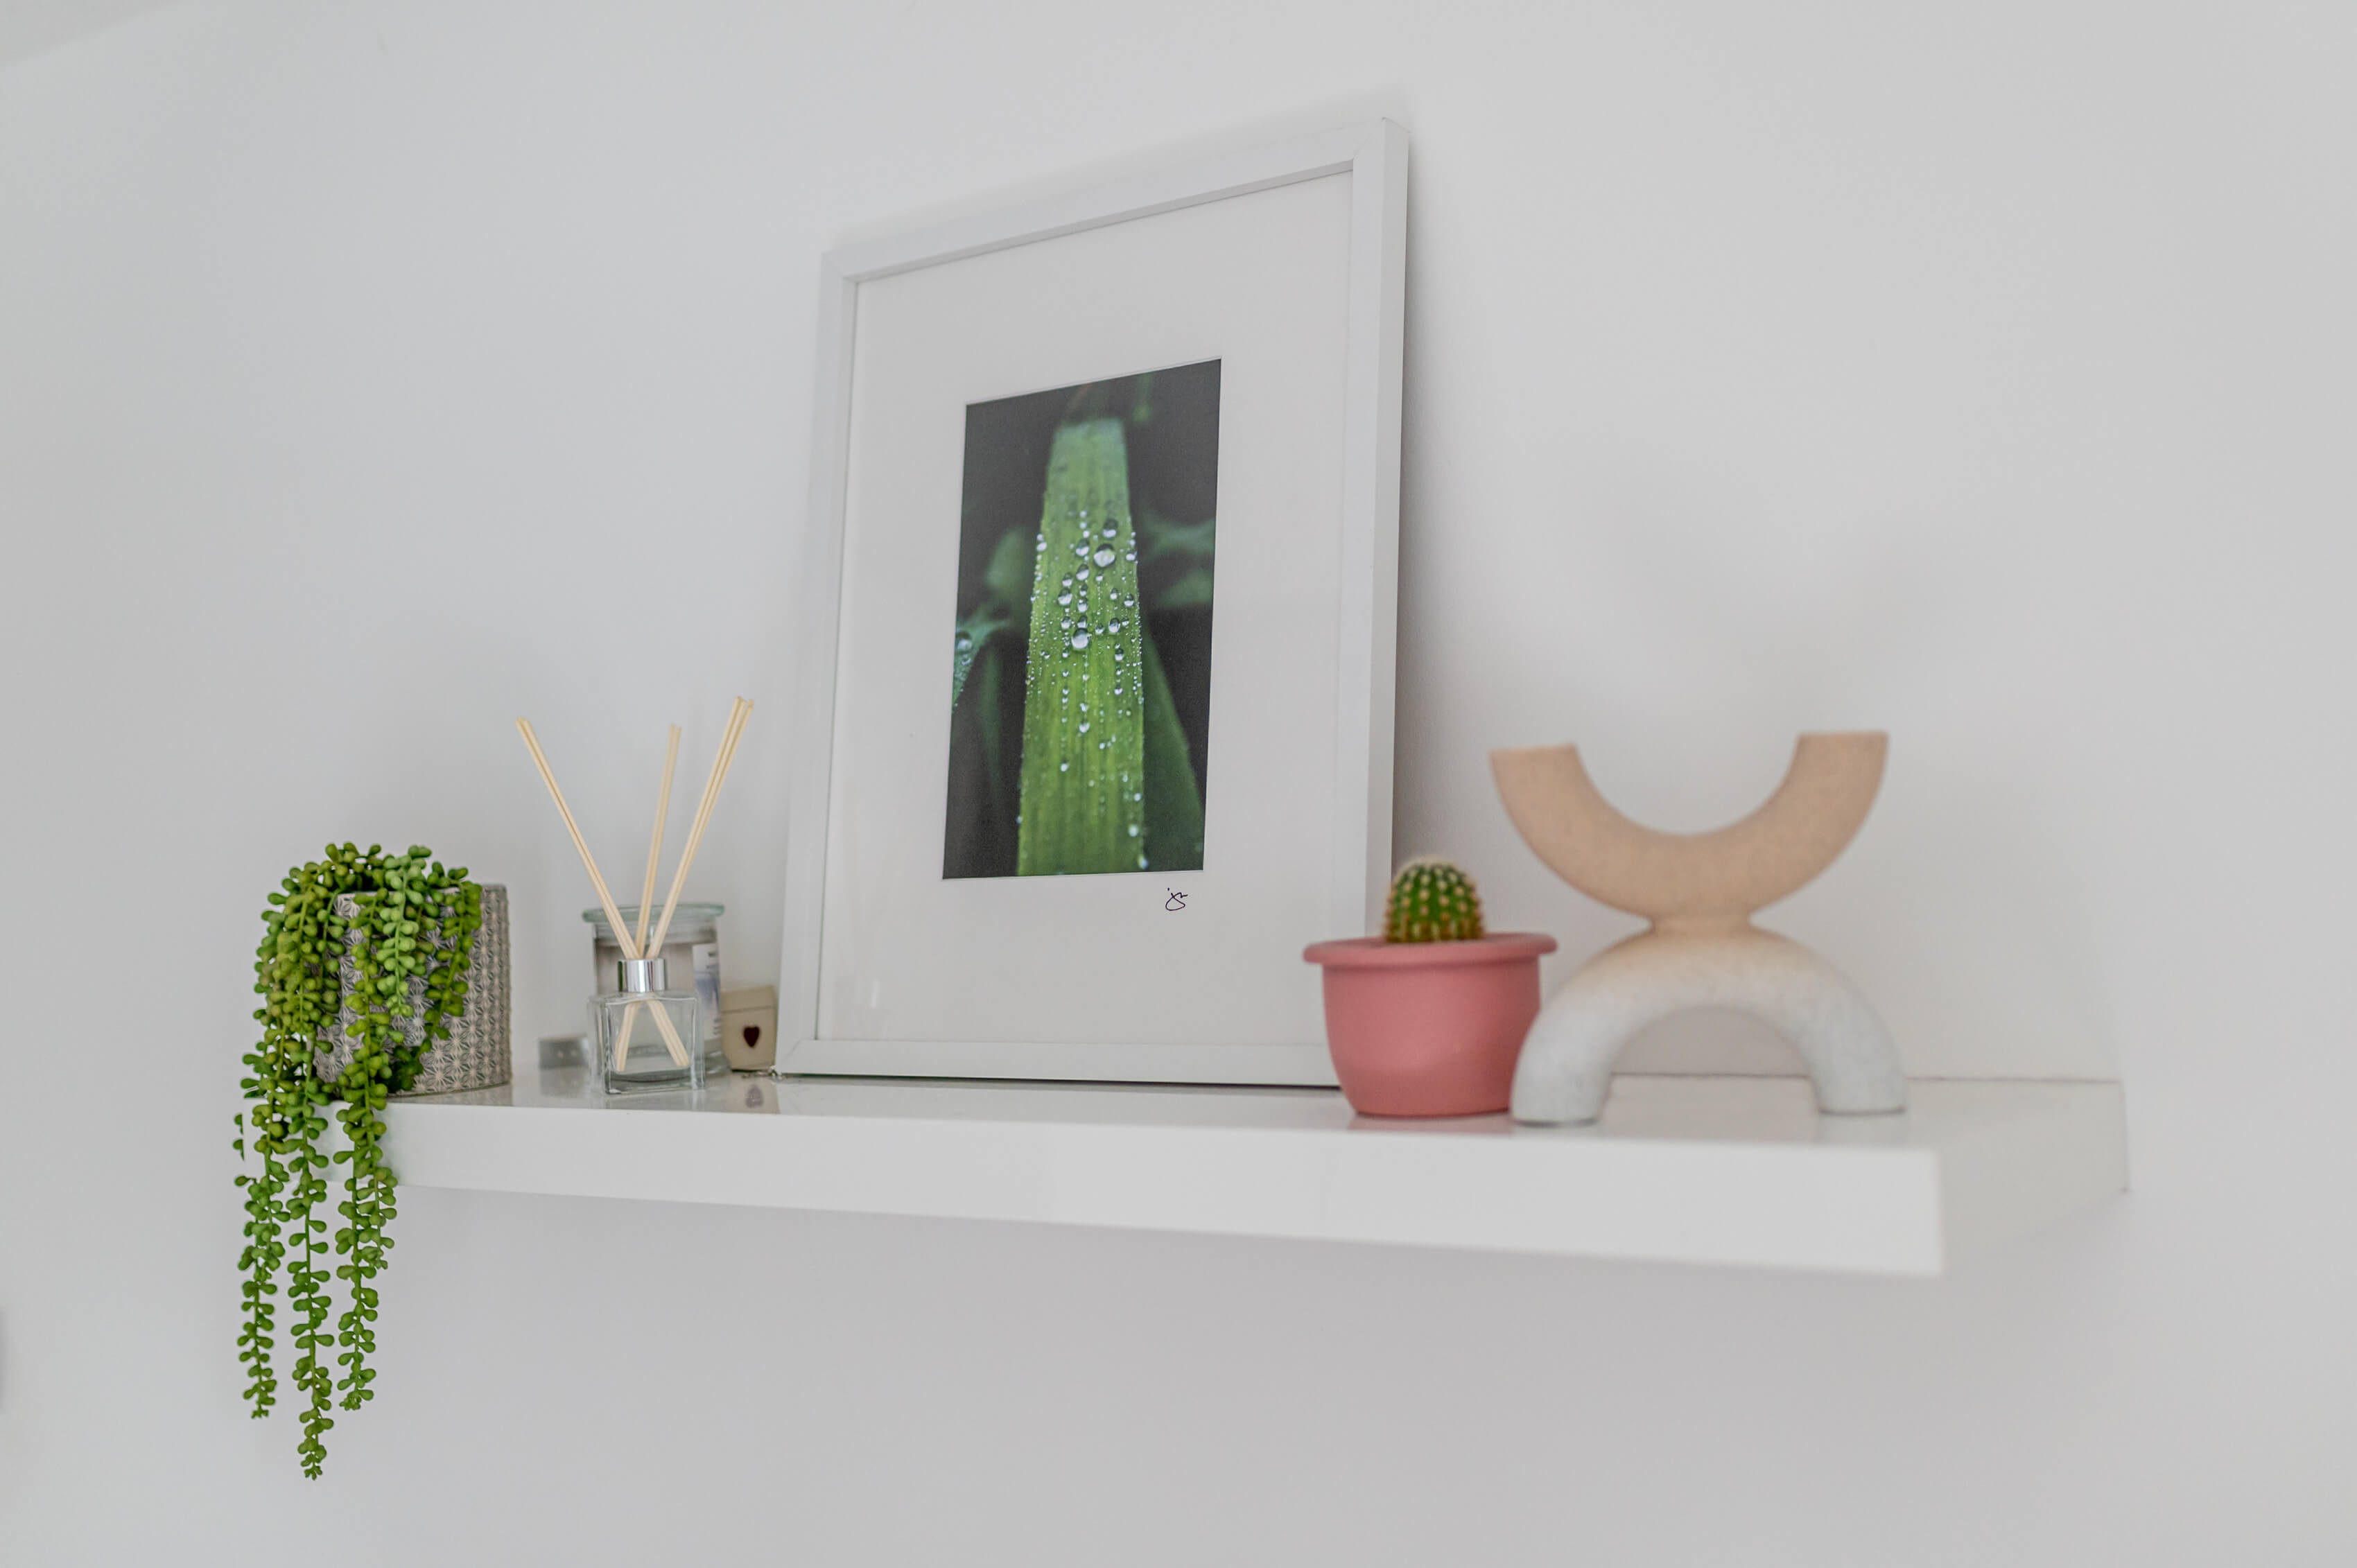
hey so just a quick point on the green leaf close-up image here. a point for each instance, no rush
(1080, 681)
(1083, 790)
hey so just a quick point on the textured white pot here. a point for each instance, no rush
(476, 1055)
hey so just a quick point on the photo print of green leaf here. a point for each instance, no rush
(1081, 660)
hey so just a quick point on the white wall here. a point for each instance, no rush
(1982, 373)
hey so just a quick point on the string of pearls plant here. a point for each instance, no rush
(410, 946)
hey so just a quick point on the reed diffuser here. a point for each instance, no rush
(640, 1031)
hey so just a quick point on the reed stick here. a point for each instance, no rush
(589, 861)
(739, 713)
(654, 846)
(740, 709)
(647, 893)
(605, 899)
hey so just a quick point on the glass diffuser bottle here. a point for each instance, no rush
(626, 1030)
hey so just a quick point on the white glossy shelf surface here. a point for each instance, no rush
(1699, 1170)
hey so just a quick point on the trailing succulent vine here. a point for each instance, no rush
(1432, 901)
(410, 946)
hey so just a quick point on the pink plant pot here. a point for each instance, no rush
(1429, 1028)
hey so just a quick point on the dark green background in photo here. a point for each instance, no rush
(1169, 427)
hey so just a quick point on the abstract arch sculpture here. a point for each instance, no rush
(1699, 890)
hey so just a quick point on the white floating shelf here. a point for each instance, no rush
(1696, 1170)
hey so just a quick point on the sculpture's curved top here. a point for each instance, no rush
(1693, 881)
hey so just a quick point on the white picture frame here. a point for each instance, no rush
(1365, 196)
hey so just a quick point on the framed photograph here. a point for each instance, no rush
(1094, 613)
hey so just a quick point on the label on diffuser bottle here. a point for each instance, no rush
(707, 957)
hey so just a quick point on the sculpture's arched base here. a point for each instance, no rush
(1566, 1063)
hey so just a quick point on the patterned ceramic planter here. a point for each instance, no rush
(476, 1054)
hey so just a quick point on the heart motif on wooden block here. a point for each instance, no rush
(752, 1036)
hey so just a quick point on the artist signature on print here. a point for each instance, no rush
(1176, 902)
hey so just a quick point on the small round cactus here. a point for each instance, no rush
(1432, 901)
